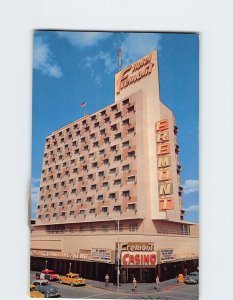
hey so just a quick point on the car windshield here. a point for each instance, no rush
(33, 289)
(44, 283)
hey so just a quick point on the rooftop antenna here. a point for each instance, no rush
(119, 59)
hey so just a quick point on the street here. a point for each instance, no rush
(97, 290)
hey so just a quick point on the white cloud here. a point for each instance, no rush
(84, 39)
(192, 208)
(191, 186)
(136, 45)
(42, 59)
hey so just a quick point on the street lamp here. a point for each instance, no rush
(46, 264)
(118, 251)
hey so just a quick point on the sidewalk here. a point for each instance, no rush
(141, 287)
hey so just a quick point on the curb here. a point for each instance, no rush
(137, 293)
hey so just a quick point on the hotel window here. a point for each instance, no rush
(93, 117)
(92, 211)
(114, 107)
(53, 205)
(126, 101)
(71, 181)
(101, 174)
(105, 227)
(131, 130)
(102, 131)
(126, 194)
(56, 194)
(131, 206)
(60, 157)
(55, 215)
(85, 147)
(131, 154)
(93, 187)
(72, 213)
(82, 228)
(38, 207)
(90, 176)
(106, 140)
(92, 136)
(120, 227)
(46, 162)
(96, 124)
(72, 161)
(83, 189)
(117, 157)
(82, 212)
(74, 143)
(39, 217)
(89, 199)
(118, 115)
(131, 108)
(113, 171)
(67, 129)
(78, 201)
(49, 196)
(64, 164)
(91, 155)
(125, 122)
(81, 158)
(114, 127)
(47, 187)
(113, 148)
(57, 167)
(101, 152)
(63, 213)
(117, 181)
(104, 209)
(62, 140)
(106, 161)
(131, 179)
(95, 165)
(106, 120)
(82, 140)
(60, 203)
(45, 206)
(84, 122)
(117, 208)
(133, 227)
(125, 144)
(78, 132)
(75, 126)
(87, 128)
(69, 202)
(118, 135)
(76, 151)
(85, 167)
(103, 112)
(66, 146)
(63, 183)
(60, 133)
(47, 216)
(95, 144)
(112, 195)
(65, 193)
(100, 197)
(105, 184)
(75, 170)
(92, 227)
(44, 179)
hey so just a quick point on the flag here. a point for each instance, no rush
(83, 104)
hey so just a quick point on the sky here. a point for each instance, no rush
(72, 67)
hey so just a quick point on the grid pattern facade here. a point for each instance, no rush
(89, 168)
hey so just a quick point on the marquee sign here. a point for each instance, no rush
(134, 73)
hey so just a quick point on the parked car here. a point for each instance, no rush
(72, 279)
(47, 274)
(34, 293)
(190, 280)
(195, 275)
(44, 287)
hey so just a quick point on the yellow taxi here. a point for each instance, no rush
(34, 293)
(72, 279)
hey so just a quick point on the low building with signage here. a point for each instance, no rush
(118, 166)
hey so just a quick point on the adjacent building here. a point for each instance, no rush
(118, 166)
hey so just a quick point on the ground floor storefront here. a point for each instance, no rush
(97, 271)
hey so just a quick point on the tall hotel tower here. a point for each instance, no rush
(112, 179)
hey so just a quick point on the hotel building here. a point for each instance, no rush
(117, 166)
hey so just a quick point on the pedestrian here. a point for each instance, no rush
(134, 285)
(157, 282)
(106, 280)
